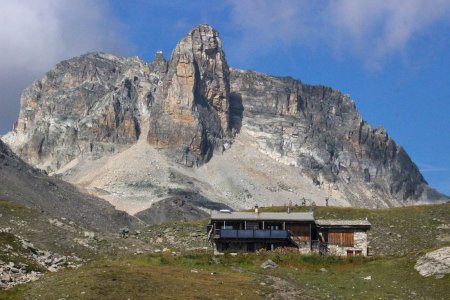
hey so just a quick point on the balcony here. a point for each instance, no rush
(252, 234)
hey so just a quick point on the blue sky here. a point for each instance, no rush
(392, 57)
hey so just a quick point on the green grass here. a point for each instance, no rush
(11, 206)
(236, 277)
(145, 277)
(399, 236)
(343, 278)
(394, 231)
(390, 278)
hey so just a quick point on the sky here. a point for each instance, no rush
(391, 57)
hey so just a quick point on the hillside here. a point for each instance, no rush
(27, 186)
(133, 132)
(151, 273)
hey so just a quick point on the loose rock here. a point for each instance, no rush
(269, 264)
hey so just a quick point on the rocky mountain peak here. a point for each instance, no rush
(85, 106)
(193, 116)
(284, 139)
(159, 63)
(199, 56)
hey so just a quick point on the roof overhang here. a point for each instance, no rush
(363, 224)
(262, 216)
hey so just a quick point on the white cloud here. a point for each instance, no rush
(430, 168)
(35, 35)
(373, 30)
(264, 24)
(381, 28)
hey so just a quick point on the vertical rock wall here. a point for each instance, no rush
(193, 116)
(88, 105)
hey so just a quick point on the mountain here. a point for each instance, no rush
(135, 133)
(25, 185)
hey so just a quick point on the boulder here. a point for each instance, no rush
(435, 263)
(5, 277)
(269, 264)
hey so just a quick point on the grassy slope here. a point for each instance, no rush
(147, 277)
(390, 278)
(395, 231)
(11, 250)
(167, 277)
(35, 226)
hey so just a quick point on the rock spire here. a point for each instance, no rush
(194, 113)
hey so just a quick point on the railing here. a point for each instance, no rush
(253, 234)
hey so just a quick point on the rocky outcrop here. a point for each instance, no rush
(195, 105)
(15, 273)
(435, 263)
(88, 105)
(192, 116)
(319, 130)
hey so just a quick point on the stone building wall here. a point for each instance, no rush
(360, 243)
(360, 238)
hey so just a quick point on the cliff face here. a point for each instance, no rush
(319, 130)
(192, 114)
(194, 106)
(87, 105)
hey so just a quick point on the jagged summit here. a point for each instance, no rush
(193, 116)
(256, 138)
(159, 63)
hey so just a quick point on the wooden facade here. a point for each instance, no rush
(249, 232)
(343, 238)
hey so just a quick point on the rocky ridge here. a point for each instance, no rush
(253, 137)
(319, 130)
(88, 105)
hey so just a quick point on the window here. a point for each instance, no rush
(341, 238)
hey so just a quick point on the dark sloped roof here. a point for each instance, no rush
(343, 223)
(266, 216)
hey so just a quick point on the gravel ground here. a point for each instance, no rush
(240, 177)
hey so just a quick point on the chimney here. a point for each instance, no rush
(256, 209)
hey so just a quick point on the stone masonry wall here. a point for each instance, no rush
(360, 243)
